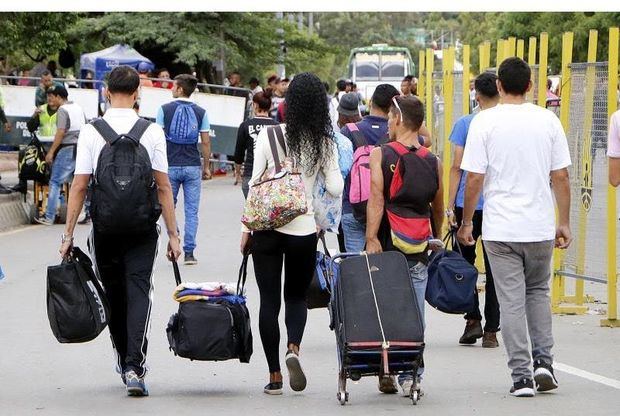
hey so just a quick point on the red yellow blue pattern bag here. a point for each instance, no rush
(414, 180)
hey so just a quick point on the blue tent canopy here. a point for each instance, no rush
(101, 62)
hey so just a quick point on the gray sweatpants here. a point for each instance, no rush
(522, 272)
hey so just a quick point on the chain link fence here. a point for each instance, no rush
(587, 140)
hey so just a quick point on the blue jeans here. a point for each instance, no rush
(191, 179)
(354, 233)
(62, 170)
(419, 277)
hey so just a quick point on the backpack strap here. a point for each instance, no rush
(359, 140)
(280, 136)
(402, 150)
(274, 148)
(104, 129)
(138, 130)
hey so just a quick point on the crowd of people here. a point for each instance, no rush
(510, 159)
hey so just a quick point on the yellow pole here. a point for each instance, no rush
(520, 48)
(430, 59)
(466, 75)
(511, 45)
(487, 55)
(612, 224)
(481, 53)
(531, 61)
(499, 54)
(448, 98)
(542, 69)
(422, 77)
(557, 289)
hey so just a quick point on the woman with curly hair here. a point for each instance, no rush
(308, 136)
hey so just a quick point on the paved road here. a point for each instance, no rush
(40, 376)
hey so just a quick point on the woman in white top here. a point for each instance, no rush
(308, 133)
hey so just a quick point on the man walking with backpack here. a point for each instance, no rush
(126, 156)
(365, 134)
(183, 121)
(512, 151)
(406, 194)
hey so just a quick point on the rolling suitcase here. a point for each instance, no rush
(376, 318)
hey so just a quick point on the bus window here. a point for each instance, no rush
(393, 66)
(366, 66)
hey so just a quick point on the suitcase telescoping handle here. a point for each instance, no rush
(177, 273)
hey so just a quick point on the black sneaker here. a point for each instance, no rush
(523, 388)
(297, 378)
(273, 389)
(473, 331)
(544, 377)
(135, 385)
(190, 259)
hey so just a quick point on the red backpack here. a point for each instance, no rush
(360, 174)
(413, 187)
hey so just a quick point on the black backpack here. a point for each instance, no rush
(212, 330)
(32, 165)
(123, 193)
(77, 307)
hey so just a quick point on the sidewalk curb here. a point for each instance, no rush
(12, 213)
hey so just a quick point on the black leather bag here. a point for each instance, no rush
(212, 330)
(77, 307)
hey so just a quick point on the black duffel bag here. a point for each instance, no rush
(77, 307)
(31, 162)
(451, 286)
(212, 330)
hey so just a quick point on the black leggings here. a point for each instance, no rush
(269, 248)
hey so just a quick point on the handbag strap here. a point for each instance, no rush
(322, 238)
(450, 238)
(272, 132)
(177, 273)
(243, 275)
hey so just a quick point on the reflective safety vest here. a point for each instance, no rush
(47, 123)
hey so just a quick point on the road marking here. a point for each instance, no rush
(610, 382)
(19, 230)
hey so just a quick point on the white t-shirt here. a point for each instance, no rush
(121, 120)
(516, 146)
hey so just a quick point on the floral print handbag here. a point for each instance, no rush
(278, 199)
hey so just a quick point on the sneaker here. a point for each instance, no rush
(473, 331)
(44, 221)
(489, 340)
(273, 389)
(523, 388)
(135, 385)
(4, 190)
(190, 259)
(297, 378)
(406, 386)
(543, 376)
(387, 385)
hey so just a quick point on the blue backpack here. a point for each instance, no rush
(184, 126)
(451, 286)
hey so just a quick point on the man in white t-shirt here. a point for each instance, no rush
(613, 149)
(512, 151)
(124, 262)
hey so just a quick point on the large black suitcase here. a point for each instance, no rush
(379, 330)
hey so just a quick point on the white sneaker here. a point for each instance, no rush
(44, 221)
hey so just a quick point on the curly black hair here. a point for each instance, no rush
(308, 125)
